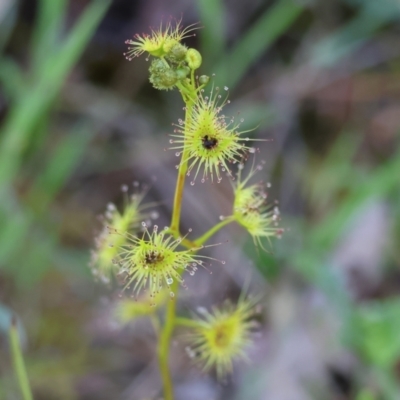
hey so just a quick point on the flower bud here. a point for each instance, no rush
(168, 45)
(182, 72)
(193, 58)
(177, 53)
(161, 75)
(204, 79)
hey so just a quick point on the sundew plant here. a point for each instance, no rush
(152, 262)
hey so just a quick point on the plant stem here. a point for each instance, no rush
(163, 345)
(188, 95)
(176, 212)
(186, 322)
(203, 238)
(18, 362)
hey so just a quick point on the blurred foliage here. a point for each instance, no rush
(321, 76)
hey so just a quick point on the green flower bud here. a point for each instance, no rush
(193, 58)
(169, 44)
(182, 72)
(204, 79)
(161, 75)
(177, 53)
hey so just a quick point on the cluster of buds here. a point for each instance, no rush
(172, 61)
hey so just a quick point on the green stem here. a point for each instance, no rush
(186, 322)
(176, 212)
(203, 238)
(18, 361)
(163, 344)
(188, 95)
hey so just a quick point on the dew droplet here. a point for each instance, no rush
(192, 183)
(154, 215)
(172, 295)
(190, 352)
(169, 281)
(124, 188)
(201, 310)
(110, 207)
(226, 88)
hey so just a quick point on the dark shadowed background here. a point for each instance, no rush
(319, 78)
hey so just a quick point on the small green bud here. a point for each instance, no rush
(193, 58)
(169, 44)
(182, 72)
(204, 79)
(161, 75)
(157, 66)
(177, 53)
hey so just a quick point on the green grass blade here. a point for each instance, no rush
(212, 39)
(12, 79)
(18, 361)
(23, 119)
(331, 49)
(59, 168)
(263, 33)
(47, 31)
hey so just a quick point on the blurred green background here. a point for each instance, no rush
(320, 78)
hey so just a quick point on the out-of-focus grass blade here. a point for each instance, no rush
(8, 15)
(17, 230)
(37, 259)
(58, 169)
(330, 50)
(18, 361)
(379, 183)
(212, 39)
(263, 33)
(12, 79)
(47, 31)
(380, 324)
(323, 237)
(13, 230)
(335, 173)
(372, 16)
(23, 119)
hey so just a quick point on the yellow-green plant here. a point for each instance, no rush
(154, 260)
